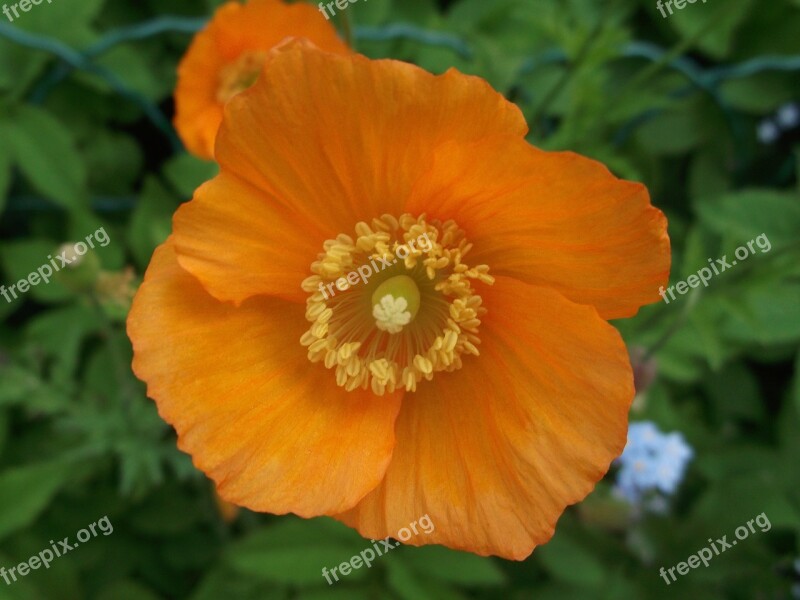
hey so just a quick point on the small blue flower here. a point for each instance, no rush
(788, 116)
(768, 132)
(652, 462)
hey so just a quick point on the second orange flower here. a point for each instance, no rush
(228, 56)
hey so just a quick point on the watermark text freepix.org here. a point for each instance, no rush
(365, 557)
(70, 253)
(24, 6)
(679, 5)
(719, 265)
(705, 555)
(46, 556)
(364, 272)
(340, 4)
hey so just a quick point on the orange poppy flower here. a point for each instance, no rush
(228, 56)
(474, 379)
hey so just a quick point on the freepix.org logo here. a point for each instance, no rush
(678, 4)
(23, 5)
(48, 555)
(69, 255)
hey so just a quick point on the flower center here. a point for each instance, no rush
(394, 305)
(240, 74)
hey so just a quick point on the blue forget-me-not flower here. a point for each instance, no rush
(652, 462)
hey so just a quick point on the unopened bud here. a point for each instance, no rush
(81, 269)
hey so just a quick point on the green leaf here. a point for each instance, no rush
(151, 222)
(26, 491)
(186, 173)
(114, 162)
(405, 584)
(47, 155)
(768, 313)
(23, 589)
(344, 592)
(704, 319)
(567, 560)
(19, 67)
(770, 30)
(724, 463)
(164, 513)
(682, 358)
(744, 497)
(296, 552)
(17, 384)
(128, 64)
(750, 213)
(734, 393)
(21, 387)
(760, 93)
(674, 131)
(69, 22)
(224, 583)
(716, 22)
(59, 333)
(708, 176)
(85, 224)
(437, 562)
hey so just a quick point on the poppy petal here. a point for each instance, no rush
(266, 426)
(494, 452)
(340, 138)
(555, 219)
(240, 244)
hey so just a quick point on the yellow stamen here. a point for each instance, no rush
(415, 315)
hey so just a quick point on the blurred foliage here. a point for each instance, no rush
(85, 103)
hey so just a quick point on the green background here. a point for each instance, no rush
(85, 142)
